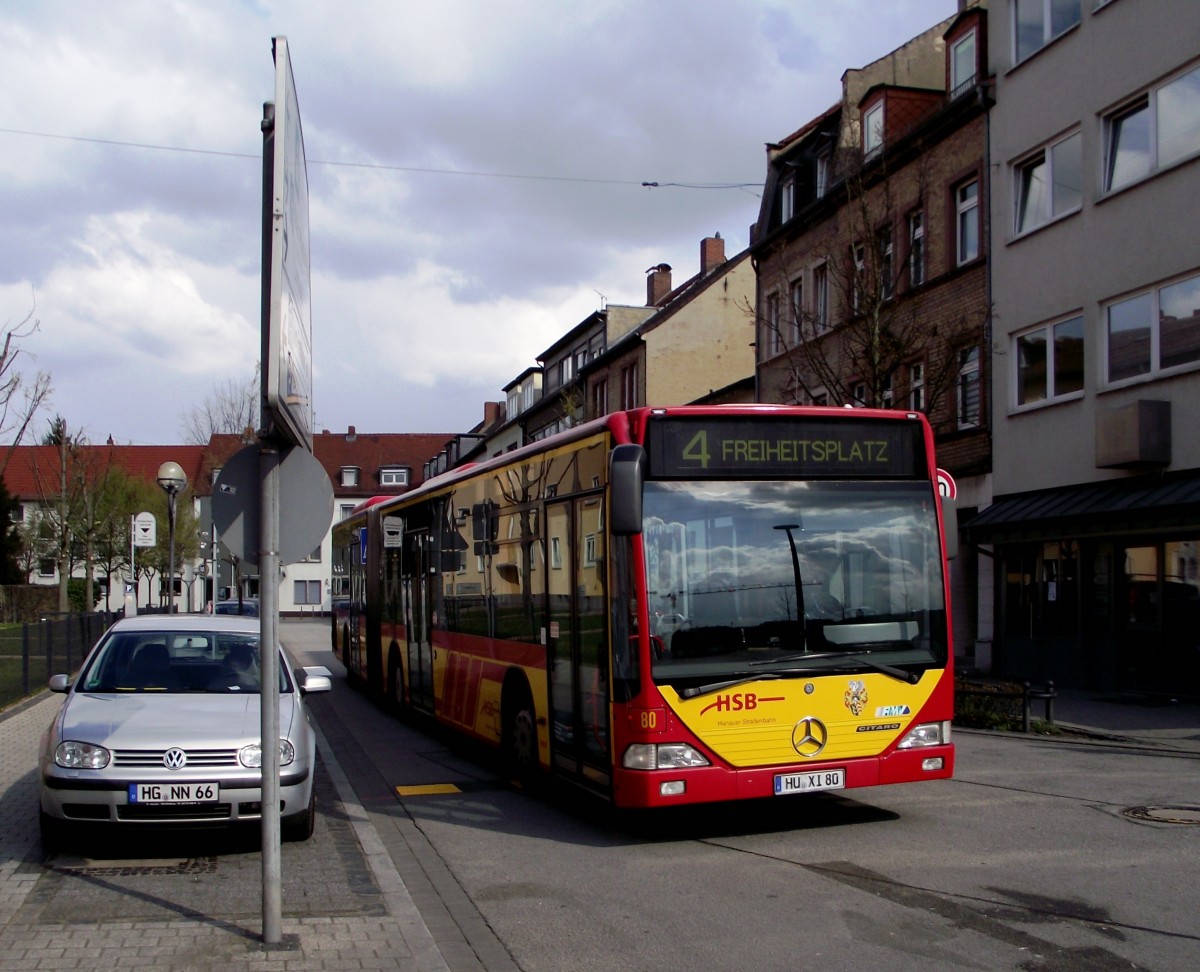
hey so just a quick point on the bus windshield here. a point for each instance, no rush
(769, 578)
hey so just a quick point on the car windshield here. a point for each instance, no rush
(747, 578)
(173, 661)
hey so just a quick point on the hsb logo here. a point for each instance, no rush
(733, 702)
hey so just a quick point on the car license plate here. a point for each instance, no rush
(151, 793)
(827, 779)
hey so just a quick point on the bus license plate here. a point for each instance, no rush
(827, 779)
(151, 793)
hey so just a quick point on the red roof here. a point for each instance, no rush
(369, 453)
(33, 470)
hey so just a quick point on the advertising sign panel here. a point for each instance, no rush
(286, 310)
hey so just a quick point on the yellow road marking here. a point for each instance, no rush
(429, 789)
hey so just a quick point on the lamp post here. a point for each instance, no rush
(173, 481)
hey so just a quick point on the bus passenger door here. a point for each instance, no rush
(417, 596)
(578, 638)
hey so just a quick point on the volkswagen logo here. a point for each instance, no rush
(809, 737)
(174, 758)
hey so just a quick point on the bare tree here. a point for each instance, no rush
(231, 409)
(21, 395)
(871, 336)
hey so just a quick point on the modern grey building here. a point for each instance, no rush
(1094, 143)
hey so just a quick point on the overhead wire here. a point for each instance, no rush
(646, 184)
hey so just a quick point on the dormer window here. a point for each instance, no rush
(963, 65)
(393, 476)
(872, 130)
(349, 476)
(787, 199)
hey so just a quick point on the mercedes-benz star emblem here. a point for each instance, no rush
(175, 758)
(809, 737)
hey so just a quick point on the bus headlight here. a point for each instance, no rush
(926, 734)
(652, 756)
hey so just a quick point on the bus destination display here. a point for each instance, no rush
(682, 448)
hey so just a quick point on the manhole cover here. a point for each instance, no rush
(1175, 815)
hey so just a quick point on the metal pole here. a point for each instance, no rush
(269, 561)
(171, 548)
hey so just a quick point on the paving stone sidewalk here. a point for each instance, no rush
(125, 913)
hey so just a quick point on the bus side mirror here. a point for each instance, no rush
(950, 527)
(626, 475)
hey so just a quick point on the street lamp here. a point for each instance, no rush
(173, 481)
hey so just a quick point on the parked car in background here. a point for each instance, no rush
(248, 606)
(162, 726)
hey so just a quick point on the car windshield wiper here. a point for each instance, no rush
(698, 690)
(856, 656)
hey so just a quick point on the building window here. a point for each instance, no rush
(1156, 131)
(1049, 362)
(306, 592)
(916, 386)
(916, 248)
(345, 510)
(349, 476)
(821, 299)
(820, 398)
(962, 65)
(822, 174)
(772, 339)
(629, 387)
(872, 129)
(967, 388)
(528, 395)
(393, 477)
(787, 200)
(1037, 22)
(1155, 331)
(600, 399)
(858, 393)
(966, 198)
(883, 243)
(46, 567)
(1049, 183)
(859, 255)
(797, 311)
(513, 406)
(18, 513)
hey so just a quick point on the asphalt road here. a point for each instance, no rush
(1034, 857)
(1042, 853)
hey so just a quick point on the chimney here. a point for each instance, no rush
(491, 413)
(658, 284)
(712, 254)
(351, 435)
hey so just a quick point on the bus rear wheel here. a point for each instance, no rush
(395, 683)
(520, 736)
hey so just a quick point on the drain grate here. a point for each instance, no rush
(1173, 815)
(195, 865)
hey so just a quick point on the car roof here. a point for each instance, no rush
(233, 623)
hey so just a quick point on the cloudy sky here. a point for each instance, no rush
(475, 170)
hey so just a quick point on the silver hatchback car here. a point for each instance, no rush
(161, 726)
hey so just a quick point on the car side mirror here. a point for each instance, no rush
(315, 678)
(60, 683)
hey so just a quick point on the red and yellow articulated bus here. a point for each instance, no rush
(672, 605)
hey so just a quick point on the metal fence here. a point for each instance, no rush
(31, 653)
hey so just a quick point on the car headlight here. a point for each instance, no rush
(81, 755)
(251, 756)
(926, 734)
(651, 756)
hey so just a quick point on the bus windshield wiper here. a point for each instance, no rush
(858, 656)
(698, 690)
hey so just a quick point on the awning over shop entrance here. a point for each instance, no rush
(1169, 501)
